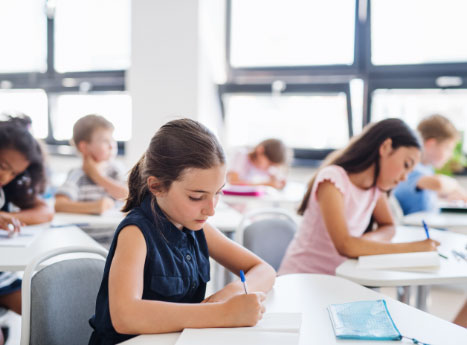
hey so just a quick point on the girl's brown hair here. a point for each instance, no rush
(274, 150)
(363, 150)
(178, 145)
(437, 127)
(26, 186)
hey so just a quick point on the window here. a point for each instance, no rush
(291, 117)
(418, 32)
(268, 33)
(92, 35)
(34, 103)
(23, 41)
(115, 107)
(61, 62)
(412, 105)
(397, 58)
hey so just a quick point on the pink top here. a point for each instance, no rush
(312, 250)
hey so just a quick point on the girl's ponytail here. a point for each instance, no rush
(136, 186)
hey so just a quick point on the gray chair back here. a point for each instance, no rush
(269, 238)
(62, 299)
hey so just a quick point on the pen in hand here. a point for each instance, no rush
(426, 229)
(428, 237)
(242, 277)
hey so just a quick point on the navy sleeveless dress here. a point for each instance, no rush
(176, 267)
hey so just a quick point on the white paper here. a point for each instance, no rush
(274, 328)
(419, 261)
(26, 236)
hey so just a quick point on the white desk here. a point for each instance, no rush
(310, 294)
(452, 271)
(17, 258)
(456, 222)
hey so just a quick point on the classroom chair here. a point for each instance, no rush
(59, 299)
(267, 233)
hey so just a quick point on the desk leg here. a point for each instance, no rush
(422, 295)
(403, 294)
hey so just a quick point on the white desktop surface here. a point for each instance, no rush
(451, 221)
(17, 258)
(452, 271)
(310, 294)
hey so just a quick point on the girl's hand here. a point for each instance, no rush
(244, 310)
(427, 245)
(10, 224)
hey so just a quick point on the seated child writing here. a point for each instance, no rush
(260, 166)
(94, 187)
(22, 181)
(158, 264)
(423, 187)
(348, 190)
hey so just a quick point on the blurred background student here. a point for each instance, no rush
(264, 165)
(421, 190)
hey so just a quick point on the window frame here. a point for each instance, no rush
(409, 76)
(52, 83)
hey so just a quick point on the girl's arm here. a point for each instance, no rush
(445, 186)
(383, 217)
(130, 314)
(259, 275)
(331, 203)
(39, 213)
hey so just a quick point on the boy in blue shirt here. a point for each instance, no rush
(422, 188)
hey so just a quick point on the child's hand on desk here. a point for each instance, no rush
(10, 224)
(103, 205)
(427, 245)
(244, 310)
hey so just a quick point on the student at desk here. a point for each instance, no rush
(158, 264)
(348, 191)
(259, 167)
(22, 180)
(421, 190)
(95, 186)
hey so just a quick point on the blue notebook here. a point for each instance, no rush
(364, 320)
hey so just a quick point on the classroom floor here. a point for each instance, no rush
(443, 301)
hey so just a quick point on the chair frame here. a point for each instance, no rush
(30, 270)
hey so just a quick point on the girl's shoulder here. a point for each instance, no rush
(334, 174)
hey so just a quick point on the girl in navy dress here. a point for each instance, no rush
(158, 264)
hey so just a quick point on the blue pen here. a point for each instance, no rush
(426, 229)
(242, 277)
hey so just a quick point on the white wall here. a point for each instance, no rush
(169, 77)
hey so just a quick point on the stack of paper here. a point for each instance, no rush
(274, 328)
(419, 261)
